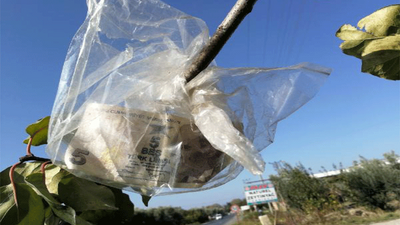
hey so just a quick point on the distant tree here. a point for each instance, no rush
(195, 215)
(227, 207)
(214, 209)
(238, 201)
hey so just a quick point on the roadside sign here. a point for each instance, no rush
(244, 207)
(260, 193)
(235, 208)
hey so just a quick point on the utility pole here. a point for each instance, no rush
(269, 203)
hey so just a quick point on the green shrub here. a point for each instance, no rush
(301, 190)
(375, 182)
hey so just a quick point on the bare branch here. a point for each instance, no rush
(220, 37)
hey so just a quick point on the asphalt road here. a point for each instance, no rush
(226, 220)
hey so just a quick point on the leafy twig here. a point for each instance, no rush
(28, 147)
(29, 156)
(21, 160)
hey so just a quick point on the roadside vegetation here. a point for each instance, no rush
(179, 216)
(295, 217)
(367, 192)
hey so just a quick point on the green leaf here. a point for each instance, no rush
(50, 218)
(53, 182)
(354, 48)
(83, 195)
(124, 214)
(30, 209)
(388, 70)
(4, 177)
(390, 43)
(38, 131)
(25, 169)
(68, 196)
(383, 22)
(8, 210)
(379, 46)
(381, 58)
(20, 172)
(146, 199)
(349, 33)
(64, 212)
(100, 216)
(124, 204)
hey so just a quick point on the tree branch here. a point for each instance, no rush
(32, 157)
(220, 37)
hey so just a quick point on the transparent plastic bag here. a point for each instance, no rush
(124, 115)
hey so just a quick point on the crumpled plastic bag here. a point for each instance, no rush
(125, 117)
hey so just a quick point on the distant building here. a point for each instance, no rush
(337, 172)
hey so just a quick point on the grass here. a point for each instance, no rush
(374, 219)
(249, 218)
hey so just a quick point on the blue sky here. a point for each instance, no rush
(353, 114)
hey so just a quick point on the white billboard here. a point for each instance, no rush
(260, 193)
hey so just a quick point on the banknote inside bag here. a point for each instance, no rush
(150, 150)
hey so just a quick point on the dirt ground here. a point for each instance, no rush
(393, 222)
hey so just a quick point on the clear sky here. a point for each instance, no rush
(353, 114)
